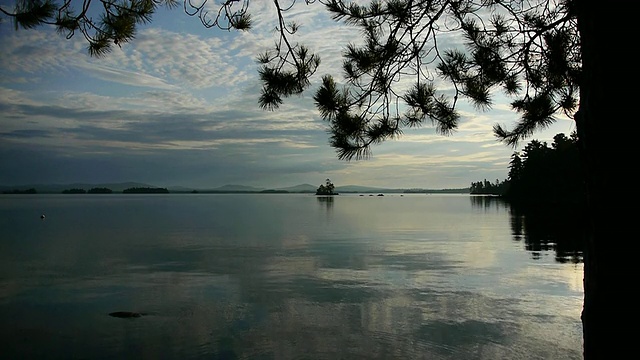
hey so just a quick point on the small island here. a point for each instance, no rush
(326, 189)
(99, 190)
(74, 191)
(21, 191)
(95, 190)
(145, 190)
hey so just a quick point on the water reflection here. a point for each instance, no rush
(326, 201)
(280, 277)
(543, 228)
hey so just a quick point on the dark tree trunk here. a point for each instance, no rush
(606, 42)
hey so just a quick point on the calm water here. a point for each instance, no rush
(286, 277)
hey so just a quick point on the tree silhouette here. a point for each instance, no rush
(326, 189)
(74, 191)
(552, 57)
(485, 187)
(515, 167)
(543, 174)
(100, 190)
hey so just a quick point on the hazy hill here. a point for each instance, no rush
(365, 189)
(236, 188)
(180, 189)
(58, 188)
(230, 188)
(300, 188)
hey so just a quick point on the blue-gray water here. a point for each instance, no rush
(260, 276)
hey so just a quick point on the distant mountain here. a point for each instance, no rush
(364, 189)
(302, 188)
(230, 188)
(236, 188)
(180, 189)
(58, 188)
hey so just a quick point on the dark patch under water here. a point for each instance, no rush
(127, 314)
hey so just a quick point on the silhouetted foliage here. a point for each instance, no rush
(326, 188)
(145, 190)
(100, 190)
(274, 191)
(541, 174)
(116, 25)
(486, 187)
(544, 174)
(74, 191)
(21, 191)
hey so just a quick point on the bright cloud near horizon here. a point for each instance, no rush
(178, 106)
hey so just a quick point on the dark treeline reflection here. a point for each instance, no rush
(325, 201)
(543, 228)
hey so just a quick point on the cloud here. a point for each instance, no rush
(179, 103)
(33, 51)
(125, 77)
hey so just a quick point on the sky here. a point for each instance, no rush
(178, 106)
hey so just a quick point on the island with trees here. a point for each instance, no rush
(21, 191)
(326, 189)
(145, 190)
(74, 191)
(95, 190)
(100, 190)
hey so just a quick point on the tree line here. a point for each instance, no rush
(541, 173)
(96, 190)
(145, 190)
(20, 191)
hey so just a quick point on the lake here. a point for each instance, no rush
(287, 276)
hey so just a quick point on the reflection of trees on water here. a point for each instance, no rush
(543, 228)
(489, 202)
(326, 201)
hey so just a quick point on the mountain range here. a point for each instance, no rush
(230, 188)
